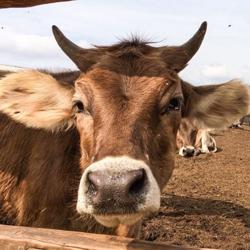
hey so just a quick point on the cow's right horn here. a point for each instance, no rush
(83, 58)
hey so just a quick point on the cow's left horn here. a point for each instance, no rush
(177, 57)
(83, 58)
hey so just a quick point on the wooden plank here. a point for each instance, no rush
(25, 3)
(27, 238)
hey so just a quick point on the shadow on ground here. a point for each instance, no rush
(197, 206)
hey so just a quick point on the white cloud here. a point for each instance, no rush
(33, 50)
(221, 72)
(31, 45)
(215, 71)
(26, 38)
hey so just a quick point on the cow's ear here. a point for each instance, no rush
(216, 106)
(36, 100)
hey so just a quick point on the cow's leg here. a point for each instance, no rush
(213, 145)
(204, 143)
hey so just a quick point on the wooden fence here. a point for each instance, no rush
(25, 3)
(27, 238)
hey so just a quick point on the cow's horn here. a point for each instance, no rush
(83, 58)
(177, 57)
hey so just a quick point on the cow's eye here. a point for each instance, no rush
(174, 105)
(78, 106)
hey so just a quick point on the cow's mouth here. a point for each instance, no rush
(115, 220)
(122, 191)
(187, 151)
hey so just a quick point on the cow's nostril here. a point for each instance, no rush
(92, 184)
(137, 184)
(190, 151)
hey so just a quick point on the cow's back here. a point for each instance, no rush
(39, 175)
(4, 73)
(245, 120)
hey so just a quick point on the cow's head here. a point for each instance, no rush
(127, 106)
(191, 141)
(186, 138)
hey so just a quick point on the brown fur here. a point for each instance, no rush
(4, 73)
(124, 95)
(221, 104)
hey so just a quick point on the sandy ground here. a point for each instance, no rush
(207, 201)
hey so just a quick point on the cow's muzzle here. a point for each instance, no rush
(118, 190)
(188, 151)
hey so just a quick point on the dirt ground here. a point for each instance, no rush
(207, 201)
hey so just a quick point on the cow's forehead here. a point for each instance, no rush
(109, 83)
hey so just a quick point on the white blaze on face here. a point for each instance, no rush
(116, 165)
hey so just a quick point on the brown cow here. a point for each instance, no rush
(191, 141)
(186, 138)
(245, 120)
(95, 155)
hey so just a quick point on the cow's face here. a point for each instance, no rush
(127, 126)
(127, 106)
(186, 138)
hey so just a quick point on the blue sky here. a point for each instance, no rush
(26, 38)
